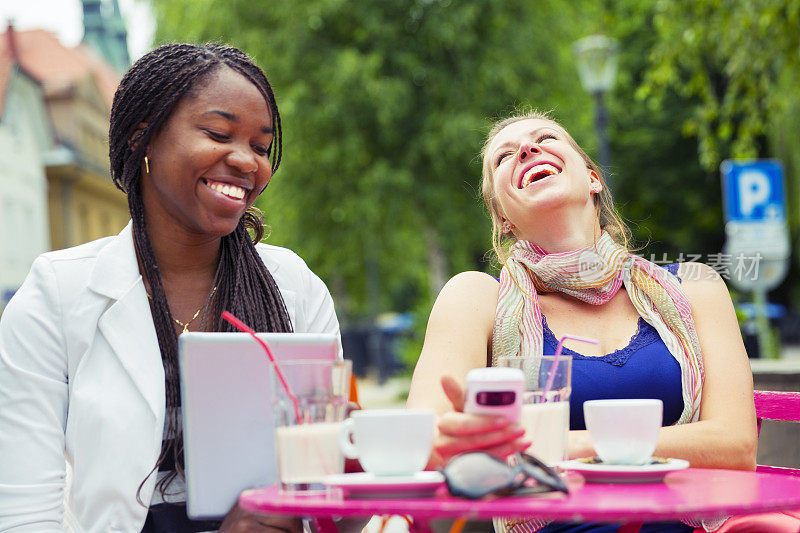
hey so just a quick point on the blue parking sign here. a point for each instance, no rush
(753, 190)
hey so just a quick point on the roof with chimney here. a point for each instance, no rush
(54, 66)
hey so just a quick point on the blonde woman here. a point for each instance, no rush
(667, 333)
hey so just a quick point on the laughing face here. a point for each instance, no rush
(209, 162)
(536, 169)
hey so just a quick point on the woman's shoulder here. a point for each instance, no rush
(703, 285)
(472, 280)
(468, 290)
(465, 308)
(115, 254)
(70, 270)
(106, 265)
(307, 298)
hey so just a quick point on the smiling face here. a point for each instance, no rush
(209, 162)
(536, 170)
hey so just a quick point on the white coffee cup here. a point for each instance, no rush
(389, 442)
(623, 432)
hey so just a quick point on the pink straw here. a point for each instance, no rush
(241, 326)
(560, 347)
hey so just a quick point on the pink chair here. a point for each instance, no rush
(780, 406)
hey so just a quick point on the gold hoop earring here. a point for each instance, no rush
(146, 165)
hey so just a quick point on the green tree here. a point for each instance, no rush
(739, 57)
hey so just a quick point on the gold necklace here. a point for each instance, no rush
(185, 326)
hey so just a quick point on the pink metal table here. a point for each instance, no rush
(691, 493)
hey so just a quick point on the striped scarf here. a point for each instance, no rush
(594, 275)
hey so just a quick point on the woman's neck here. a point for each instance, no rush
(182, 254)
(563, 233)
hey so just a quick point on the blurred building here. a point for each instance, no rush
(25, 138)
(55, 186)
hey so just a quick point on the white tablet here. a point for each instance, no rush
(228, 431)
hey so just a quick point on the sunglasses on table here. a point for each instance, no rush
(474, 475)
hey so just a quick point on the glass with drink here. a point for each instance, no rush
(545, 410)
(307, 447)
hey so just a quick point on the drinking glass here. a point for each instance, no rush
(307, 448)
(545, 413)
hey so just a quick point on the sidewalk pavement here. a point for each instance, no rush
(392, 393)
(789, 363)
(790, 351)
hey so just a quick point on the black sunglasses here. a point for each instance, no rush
(474, 475)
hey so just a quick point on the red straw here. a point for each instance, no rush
(241, 326)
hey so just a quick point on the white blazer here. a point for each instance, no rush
(81, 379)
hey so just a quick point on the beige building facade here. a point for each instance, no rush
(83, 202)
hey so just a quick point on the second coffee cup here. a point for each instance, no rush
(625, 431)
(389, 442)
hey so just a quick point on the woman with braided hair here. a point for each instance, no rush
(88, 345)
(668, 333)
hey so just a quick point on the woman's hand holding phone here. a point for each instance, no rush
(459, 432)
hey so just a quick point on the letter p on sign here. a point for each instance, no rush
(754, 190)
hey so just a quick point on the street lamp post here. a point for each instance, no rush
(596, 58)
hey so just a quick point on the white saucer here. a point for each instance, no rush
(594, 470)
(366, 485)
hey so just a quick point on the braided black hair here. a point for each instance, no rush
(147, 95)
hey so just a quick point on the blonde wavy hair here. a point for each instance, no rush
(607, 214)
